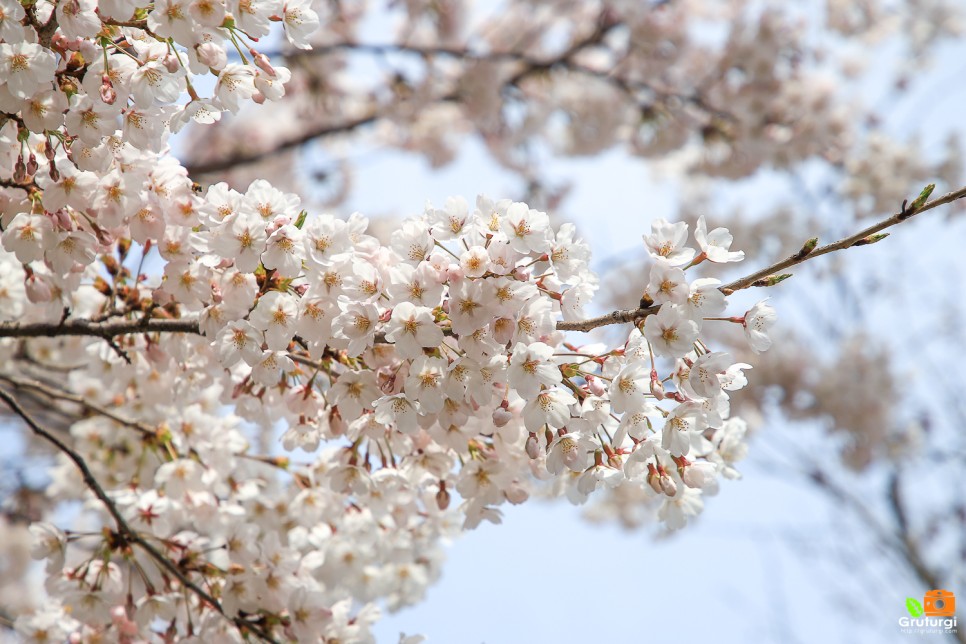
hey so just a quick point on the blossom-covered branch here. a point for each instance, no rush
(117, 327)
(127, 534)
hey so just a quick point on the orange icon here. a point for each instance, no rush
(939, 603)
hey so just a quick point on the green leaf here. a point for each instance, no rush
(921, 199)
(301, 219)
(914, 607)
(871, 239)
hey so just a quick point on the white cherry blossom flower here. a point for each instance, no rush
(715, 245)
(676, 511)
(526, 229)
(276, 314)
(412, 329)
(242, 239)
(468, 309)
(571, 451)
(475, 261)
(705, 299)
(397, 410)
(670, 332)
(270, 367)
(90, 120)
(44, 111)
(532, 366)
(667, 241)
(704, 374)
(549, 407)
(283, 251)
(153, 84)
(756, 322)
(451, 221)
(26, 68)
(419, 285)
(425, 383)
(24, 236)
(236, 83)
(11, 13)
(667, 284)
(238, 340)
(354, 392)
(357, 324)
(629, 388)
(78, 19)
(252, 16)
(300, 21)
(687, 418)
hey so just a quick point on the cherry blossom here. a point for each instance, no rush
(425, 382)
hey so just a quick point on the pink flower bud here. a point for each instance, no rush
(170, 62)
(258, 98)
(452, 273)
(59, 42)
(533, 447)
(337, 425)
(108, 95)
(32, 165)
(19, 170)
(657, 387)
(62, 221)
(515, 494)
(501, 417)
(668, 486)
(211, 55)
(263, 63)
(37, 289)
(442, 497)
(653, 479)
(596, 386)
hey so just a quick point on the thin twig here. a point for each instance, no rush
(842, 244)
(50, 392)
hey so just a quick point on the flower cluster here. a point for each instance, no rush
(429, 379)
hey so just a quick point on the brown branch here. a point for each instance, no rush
(531, 66)
(103, 330)
(124, 529)
(858, 239)
(863, 237)
(220, 165)
(50, 392)
(614, 317)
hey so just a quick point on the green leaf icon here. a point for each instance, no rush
(914, 607)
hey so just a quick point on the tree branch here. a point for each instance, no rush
(124, 529)
(317, 132)
(50, 392)
(860, 238)
(110, 329)
(853, 240)
(530, 66)
(104, 330)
